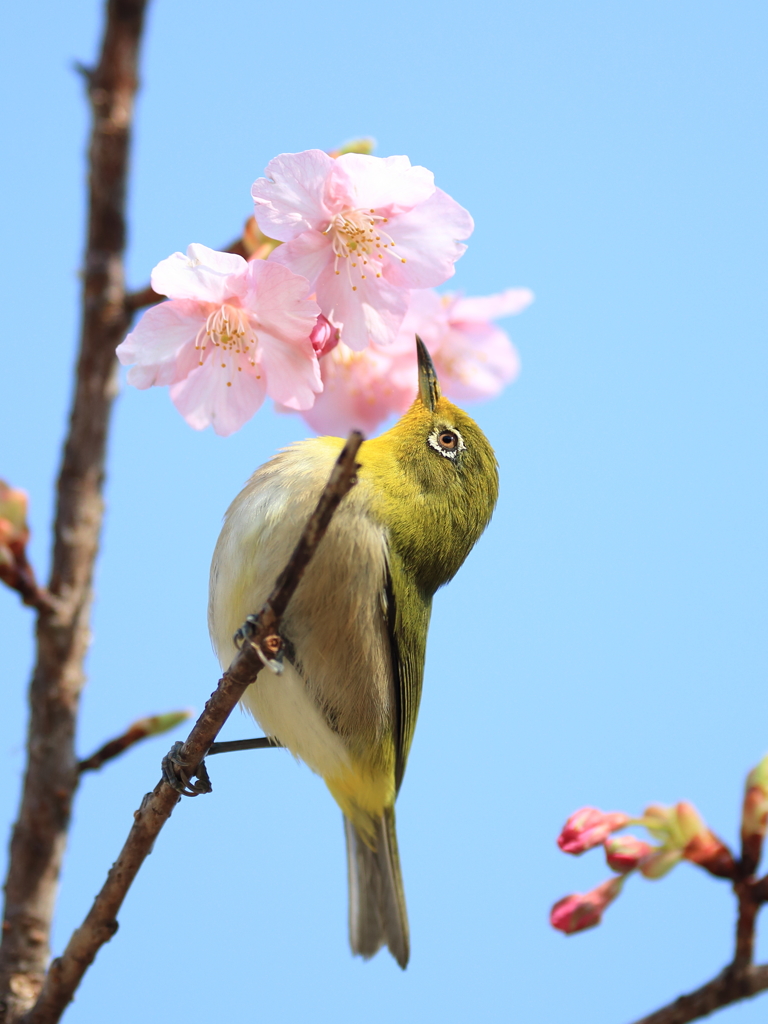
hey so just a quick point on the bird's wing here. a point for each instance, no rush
(407, 616)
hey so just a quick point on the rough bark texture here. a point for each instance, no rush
(39, 835)
(100, 923)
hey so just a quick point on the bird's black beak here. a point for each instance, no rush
(429, 389)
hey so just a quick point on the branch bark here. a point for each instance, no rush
(100, 923)
(741, 979)
(730, 986)
(40, 832)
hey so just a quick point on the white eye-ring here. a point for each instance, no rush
(448, 441)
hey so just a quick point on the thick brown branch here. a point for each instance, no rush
(40, 832)
(101, 922)
(728, 987)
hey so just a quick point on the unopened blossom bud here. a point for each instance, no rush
(754, 818)
(580, 911)
(660, 821)
(624, 853)
(365, 146)
(157, 724)
(14, 532)
(324, 337)
(685, 834)
(589, 827)
(257, 245)
(701, 845)
(659, 862)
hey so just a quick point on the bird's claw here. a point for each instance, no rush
(246, 634)
(175, 775)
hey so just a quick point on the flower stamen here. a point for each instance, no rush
(228, 329)
(358, 233)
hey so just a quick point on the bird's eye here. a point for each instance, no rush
(447, 442)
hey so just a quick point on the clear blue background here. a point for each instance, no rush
(605, 643)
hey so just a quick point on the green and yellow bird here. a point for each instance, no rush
(355, 632)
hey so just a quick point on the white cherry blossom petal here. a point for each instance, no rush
(291, 198)
(292, 374)
(427, 242)
(155, 342)
(308, 255)
(202, 274)
(389, 182)
(279, 300)
(367, 310)
(224, 398)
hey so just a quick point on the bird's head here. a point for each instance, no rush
(437, 479)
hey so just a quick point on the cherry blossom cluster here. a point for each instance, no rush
(679, 833)
(323, 319)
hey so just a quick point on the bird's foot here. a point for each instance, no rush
(175, 774)
(272, 656)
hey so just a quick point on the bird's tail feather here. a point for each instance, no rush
(377, 913)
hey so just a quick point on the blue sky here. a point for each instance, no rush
(613, 156)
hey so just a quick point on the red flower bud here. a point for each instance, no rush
(589, 827)
(580, 911)
(324, 336)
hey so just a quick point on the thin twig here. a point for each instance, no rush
(100, 923)
(40, 833)
(144, 728)
(20, 576)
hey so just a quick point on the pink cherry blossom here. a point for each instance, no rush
(589, 827)
(232, 333)
(364, 231)
(580, 911)
(473, 357)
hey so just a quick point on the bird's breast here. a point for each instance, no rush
(334, 705)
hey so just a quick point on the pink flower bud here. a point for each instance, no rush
(324, 337)
(589, 827)
(580, 911)
(623, 853)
